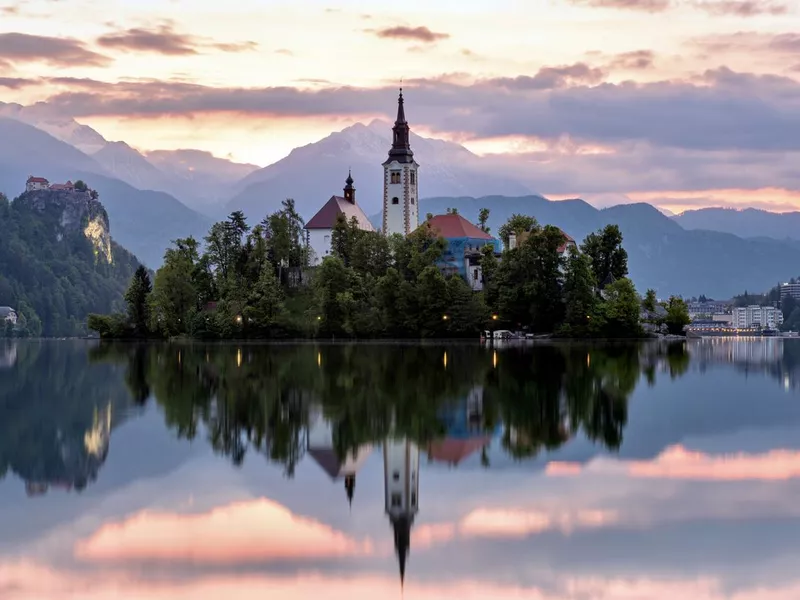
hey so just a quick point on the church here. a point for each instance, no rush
(400, 206)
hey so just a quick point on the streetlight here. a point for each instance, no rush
(445, 317)
(494, 317)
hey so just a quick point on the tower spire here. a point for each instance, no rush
(401, 142)
(349, 190)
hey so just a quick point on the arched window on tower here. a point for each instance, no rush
(395, 200)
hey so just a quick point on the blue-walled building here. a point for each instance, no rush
(464, 243)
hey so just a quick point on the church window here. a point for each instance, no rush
(475, 274)
(412, 200)
(413, 177)
(397, 500)
(395, 177)
(396, 476)
(395, 200)
(413, 499)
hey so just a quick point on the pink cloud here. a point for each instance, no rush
(677, 462)
(521, 523)
(251, 531)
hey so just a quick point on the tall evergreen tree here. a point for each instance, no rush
(609, 258)
(137, 298)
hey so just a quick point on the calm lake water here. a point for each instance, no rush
(356, 472)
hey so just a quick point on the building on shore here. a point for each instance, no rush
(754, 316)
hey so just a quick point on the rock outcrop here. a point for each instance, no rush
(77, 211)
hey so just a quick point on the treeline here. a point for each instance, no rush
(50, 275)
(253, 282)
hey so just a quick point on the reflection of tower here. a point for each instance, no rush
(320, 447)
(401, 486)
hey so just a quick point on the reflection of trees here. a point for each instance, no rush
(257, 398)
(55, 415)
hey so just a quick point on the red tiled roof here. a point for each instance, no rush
(37, 180)
(62, 186)
(326, 216)
(456, 226)
(453, 451)
(568, 241)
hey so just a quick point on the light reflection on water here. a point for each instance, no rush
(559, 471)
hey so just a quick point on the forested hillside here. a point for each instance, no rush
(54, 262)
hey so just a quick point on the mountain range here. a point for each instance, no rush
(155, 197)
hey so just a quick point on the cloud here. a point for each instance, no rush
(742, 8)
(650, 6)
(60, 52)
(416, 34)
(165, 40)
(253, 531)
(15, 83)
(549, 78)
(677, 462)
(705, 114)
(633, 61)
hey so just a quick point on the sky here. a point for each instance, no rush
(683, 103)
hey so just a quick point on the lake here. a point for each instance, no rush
(362, 471)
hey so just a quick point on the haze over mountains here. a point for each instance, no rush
(155, 197)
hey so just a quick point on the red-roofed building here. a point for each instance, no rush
(36, 183)
(319, 228)
(464, 243)
(63, 187)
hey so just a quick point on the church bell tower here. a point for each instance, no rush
(400, 198)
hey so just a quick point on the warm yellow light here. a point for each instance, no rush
(494, 317)
(238, 357)
(319, 359)
(445, 317)
(239, 319)
(319, 318)
(588, 360)
(444, 360)
(494, 359)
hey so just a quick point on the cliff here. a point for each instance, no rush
(74, 211)
(58, 262)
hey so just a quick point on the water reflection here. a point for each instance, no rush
(560, 471)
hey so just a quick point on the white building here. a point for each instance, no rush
(320, 446)
(320, 228)
(401, 487)
(36, 183)
(400, 180)
(754, 316)
(790, 289)
(8, 315)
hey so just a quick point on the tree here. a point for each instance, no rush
(80, 186)
(609, 258)
(579, 294)
(483, 218)
(620, 309)
(517, 224)
(265, 304)
(650, 300)
(452, 211)
(137, 298)
(677, 315)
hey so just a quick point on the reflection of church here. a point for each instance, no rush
(465, 434)
(321, 448)
(401, 489)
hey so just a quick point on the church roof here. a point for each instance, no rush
(327, 459)
(326, 216)
(456, 226)
(453, 451)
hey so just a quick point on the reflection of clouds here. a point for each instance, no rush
(521, 523)
(27, 581)
(676, 462)
(243, 532)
